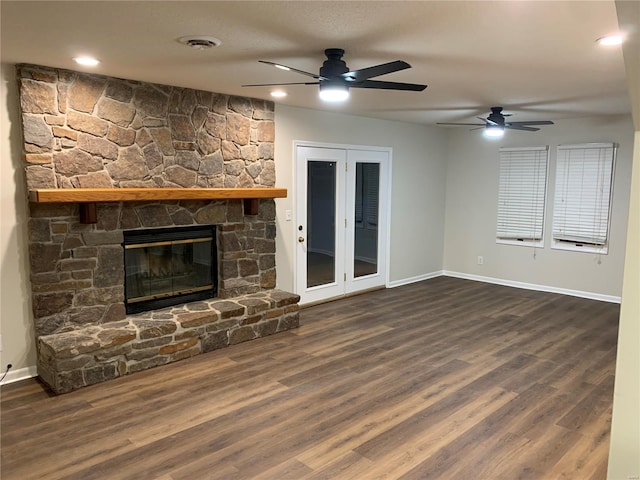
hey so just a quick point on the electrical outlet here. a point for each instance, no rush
(480, 260)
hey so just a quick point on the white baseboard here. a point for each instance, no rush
(506, 283)
(20, 374)
(419, 278)
(532, 286)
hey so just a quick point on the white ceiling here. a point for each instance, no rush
(538, 59)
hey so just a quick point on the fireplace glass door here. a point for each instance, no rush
(165, 267)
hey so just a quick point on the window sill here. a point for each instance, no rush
(577, 247)
(521, 243)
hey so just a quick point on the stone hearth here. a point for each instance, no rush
(91, 131)
(81, 357)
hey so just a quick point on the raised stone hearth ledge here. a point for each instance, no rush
(75, 359)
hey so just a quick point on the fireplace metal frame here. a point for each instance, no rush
(167, 236)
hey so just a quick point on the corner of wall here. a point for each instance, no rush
(15, 305)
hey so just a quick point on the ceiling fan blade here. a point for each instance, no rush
(414, 87)
(472, 124)
(521, 127)
(537, 122)
(285, 67)
(375, 71)
(280, 84)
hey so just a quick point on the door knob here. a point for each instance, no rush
(301, 239)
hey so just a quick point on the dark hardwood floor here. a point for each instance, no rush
(442, 379)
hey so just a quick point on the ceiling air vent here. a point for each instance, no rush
(200, 43)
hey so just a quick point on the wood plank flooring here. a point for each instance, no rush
(442, 379)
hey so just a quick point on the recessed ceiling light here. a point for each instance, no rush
(86, 61)
(610, 40)
(278, 94)
(200, 42)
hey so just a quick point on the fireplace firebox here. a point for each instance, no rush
(169, 266)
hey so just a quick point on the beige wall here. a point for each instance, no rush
(624, 453)
(624, 456)
(418, 185)
(16, 325)
(471, 211)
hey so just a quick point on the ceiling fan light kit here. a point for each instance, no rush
(493, 131)
(334, 78)
(333, 92)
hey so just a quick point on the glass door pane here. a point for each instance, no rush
(367, 200)
(321, 223)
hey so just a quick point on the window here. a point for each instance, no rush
(521, 195)
(582, 202)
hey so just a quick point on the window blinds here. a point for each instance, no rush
(522, 191)
(372, 185)
(583, 192)
(367, 194)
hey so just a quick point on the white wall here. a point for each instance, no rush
(16, 325)
(418, 185)
(471, 211)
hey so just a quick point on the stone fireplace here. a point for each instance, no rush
(88, 131)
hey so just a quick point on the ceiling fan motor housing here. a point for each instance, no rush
(496, 116)
(333, 66)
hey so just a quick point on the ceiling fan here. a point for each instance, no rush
(495, 123)
(335, 79)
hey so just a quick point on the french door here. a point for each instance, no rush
(342, 197)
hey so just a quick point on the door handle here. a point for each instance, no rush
(300, 239)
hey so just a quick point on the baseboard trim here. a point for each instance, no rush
(419, 278)
(533, 286)
(20, 374)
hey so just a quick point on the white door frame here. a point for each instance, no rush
(354, 153)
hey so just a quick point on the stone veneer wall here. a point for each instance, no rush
(91, 131)
(84, 130)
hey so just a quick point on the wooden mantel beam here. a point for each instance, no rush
(88, 197)
(81, 195)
